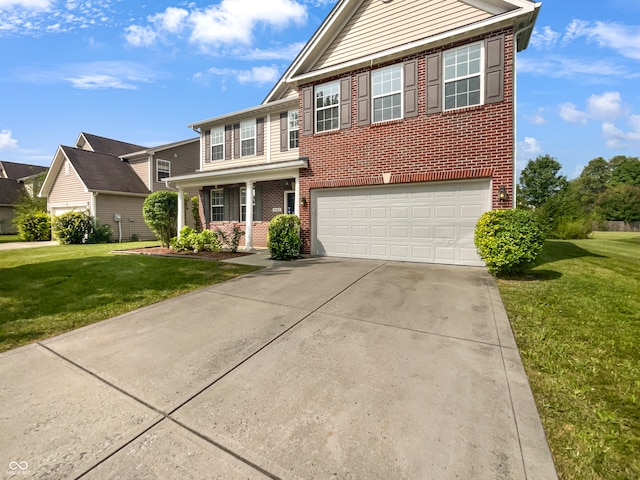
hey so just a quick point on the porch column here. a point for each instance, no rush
(296, 209)
(248, 238)
(180, 209)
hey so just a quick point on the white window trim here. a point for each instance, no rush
(336, 105)
(243, 200)
(296, 129)
(481, 75)
(254, 138)
(217, 131)
(400, 91)
(217, 206)
(168, 167)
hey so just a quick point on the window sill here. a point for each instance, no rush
(386, 123)
(454, 111)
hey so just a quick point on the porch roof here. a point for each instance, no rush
(253, 173)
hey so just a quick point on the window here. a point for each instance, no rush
(217, 144)
(217, 205)
(248, 138)
(293, 129)
(462, 77)
(243, 204)
(386, 86)
(328, 107)
(163, 169)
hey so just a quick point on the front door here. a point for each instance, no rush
(290, 202)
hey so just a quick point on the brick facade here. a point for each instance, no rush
(473, 142)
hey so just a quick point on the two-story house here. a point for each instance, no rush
(405, 132)
(110, 180)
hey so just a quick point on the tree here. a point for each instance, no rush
(592, 182)
(621, 202)
(160, 212)
(539, 181)
(625, 171)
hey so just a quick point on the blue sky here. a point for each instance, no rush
(141, 72)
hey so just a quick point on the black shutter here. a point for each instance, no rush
(226, 195)
(345, 103)
(257, 213)
(236, 140)
(307, 110)
(434, 83)
(205, 198)
(207, 146)
(227, 142)
(260, 136)
(284, 131)
(410, 88)
(494, 80)
(364, 99)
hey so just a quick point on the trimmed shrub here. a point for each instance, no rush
(283, 238)
(160, 212)
(100, 233)
(572, 229)
(230, 237)
(508, 240)
(33, 226)
(72, 227)
(205, 241)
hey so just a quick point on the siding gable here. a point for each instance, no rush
(378, 26)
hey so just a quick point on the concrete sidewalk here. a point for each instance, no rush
(318, 368)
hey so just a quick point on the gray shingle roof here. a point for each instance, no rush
(21, 170)
(104, 172)
(108, 145)
(10, 191)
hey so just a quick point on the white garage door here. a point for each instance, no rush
(431, 222)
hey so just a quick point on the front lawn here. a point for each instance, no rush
(576, 319)
(46, 291)
(9, 238)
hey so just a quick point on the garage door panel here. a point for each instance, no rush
(431, 222)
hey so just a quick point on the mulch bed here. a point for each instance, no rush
(167, 252)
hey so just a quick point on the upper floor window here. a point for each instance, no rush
(217, 205)
(386, 86)
(327, 106)
(462, 77)
(217, 144)
(248, 138)
(293, 129)
(163, 169)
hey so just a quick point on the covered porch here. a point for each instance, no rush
(224, 194)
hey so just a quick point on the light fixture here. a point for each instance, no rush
(502, 193)
(303, 201)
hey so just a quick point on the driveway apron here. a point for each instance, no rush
(319, 368)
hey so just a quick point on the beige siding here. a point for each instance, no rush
(184, 160)
(130, 210)
(241, 161)
(276, 154)
(68, 189)
(141, 167)
(378, 26)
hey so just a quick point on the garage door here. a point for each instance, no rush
(431, 222)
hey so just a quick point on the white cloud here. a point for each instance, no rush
(607, 106)
(287, 52)
(100, 82)
(537, 118)
(570, 113)
(260, 75)
(545, 38)
(37, 5)
(625, 39)
(617, 138)
(528, 149)
(561, 67)
(140, 36)
(230, 22)
(7, 141)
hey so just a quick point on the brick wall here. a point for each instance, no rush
(474, 142)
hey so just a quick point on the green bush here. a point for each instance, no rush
(205, 241)
(160, 212)
(283, 238)
(100, 233)
(33, 226)
(508, 240)
(230, 237)
(572, 229)
(195, 211)
(72, 227)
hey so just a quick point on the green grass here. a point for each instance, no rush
(46, 291)
(576, 318)
(9, 238)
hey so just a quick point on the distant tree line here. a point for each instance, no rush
(605, 190)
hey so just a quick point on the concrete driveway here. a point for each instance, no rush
(316, 369)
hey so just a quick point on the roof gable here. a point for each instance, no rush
(20, 170)
(363, 32)
(95, 143)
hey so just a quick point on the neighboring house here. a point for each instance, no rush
(391, 132)
(111, 179)
(16, 179)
